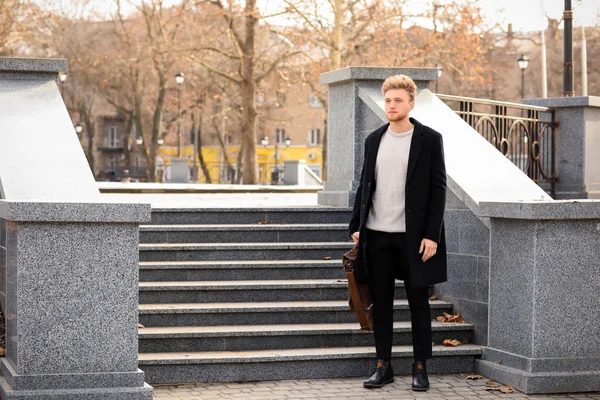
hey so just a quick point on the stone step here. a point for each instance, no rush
(242, 251)
(217, 216)
(297, 312)
(152, 271)
(289, 336)
(235, 233)
(306, 363)
(248, 291)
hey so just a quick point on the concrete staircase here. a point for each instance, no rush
(258, 294)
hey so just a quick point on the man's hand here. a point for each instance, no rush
(428, 249)
(355, 237)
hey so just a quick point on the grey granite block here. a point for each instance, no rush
(286, 340)
(475, 313)
(474, 235)
(542, 382)
(232, 252)
(557, 364)
(483, 279)
(270, 233)
(70, 381)
(564, 102)
(87, 325)
(302, 367)
(512, 287)
(567, 277)
(73, 212)
(257, 293)
(554, 210)
(24, 65)
(376, 74)
(462, 276)
(296, 215)
(281, 315)
(453, 202)
(452, 220)
(249, 271)
(127, 393)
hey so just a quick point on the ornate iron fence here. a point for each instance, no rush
(524, 134)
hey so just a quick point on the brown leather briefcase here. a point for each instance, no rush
(359, 294)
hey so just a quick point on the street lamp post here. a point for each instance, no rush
(439, 74)
(62, 78)
(569, 65)
(265, 142)
(179, 79)
(523, 62)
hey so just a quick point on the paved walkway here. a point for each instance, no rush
(450, 387)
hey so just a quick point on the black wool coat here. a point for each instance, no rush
(425, 203)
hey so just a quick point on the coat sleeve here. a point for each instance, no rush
(354, 225)
(437, 191)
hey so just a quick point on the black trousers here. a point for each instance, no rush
(387, 254)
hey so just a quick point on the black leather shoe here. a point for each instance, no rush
(420, 382)
(383, 374)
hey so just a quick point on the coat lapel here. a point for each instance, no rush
(415, 147)
(375, 148)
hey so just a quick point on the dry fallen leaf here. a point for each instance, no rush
(326, 258)
(141, 326)
(491, 383)
(263, 222)
(2, 351)
(474, 377)
(434, 297)
(503, 389)
(450, 318)
(342, 280)
(451, 343)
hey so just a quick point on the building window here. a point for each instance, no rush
(112, 137)
(313, 101)
(112, 163)
(280, 96)
(228, 139)
(136, 162)
(314, 137)
(280, 135)
(260, 98)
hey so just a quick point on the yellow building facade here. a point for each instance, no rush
(265, 155)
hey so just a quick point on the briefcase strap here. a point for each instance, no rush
(356, 300)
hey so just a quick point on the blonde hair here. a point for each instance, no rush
(400, 82)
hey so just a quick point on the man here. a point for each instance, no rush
(397, 222)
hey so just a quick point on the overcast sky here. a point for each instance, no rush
(525, 15)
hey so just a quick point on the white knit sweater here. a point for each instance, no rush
(387, 210)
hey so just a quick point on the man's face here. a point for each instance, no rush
(397, 104)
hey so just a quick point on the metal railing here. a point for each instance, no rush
(524, 134)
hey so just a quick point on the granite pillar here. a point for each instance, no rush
(71, 280)
(577, 145)
(543, 333)
(68, 261)
(351, 118)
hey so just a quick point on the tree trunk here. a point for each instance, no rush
(197, 132)
(248, 95)
(240, 165)
(156, 125)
